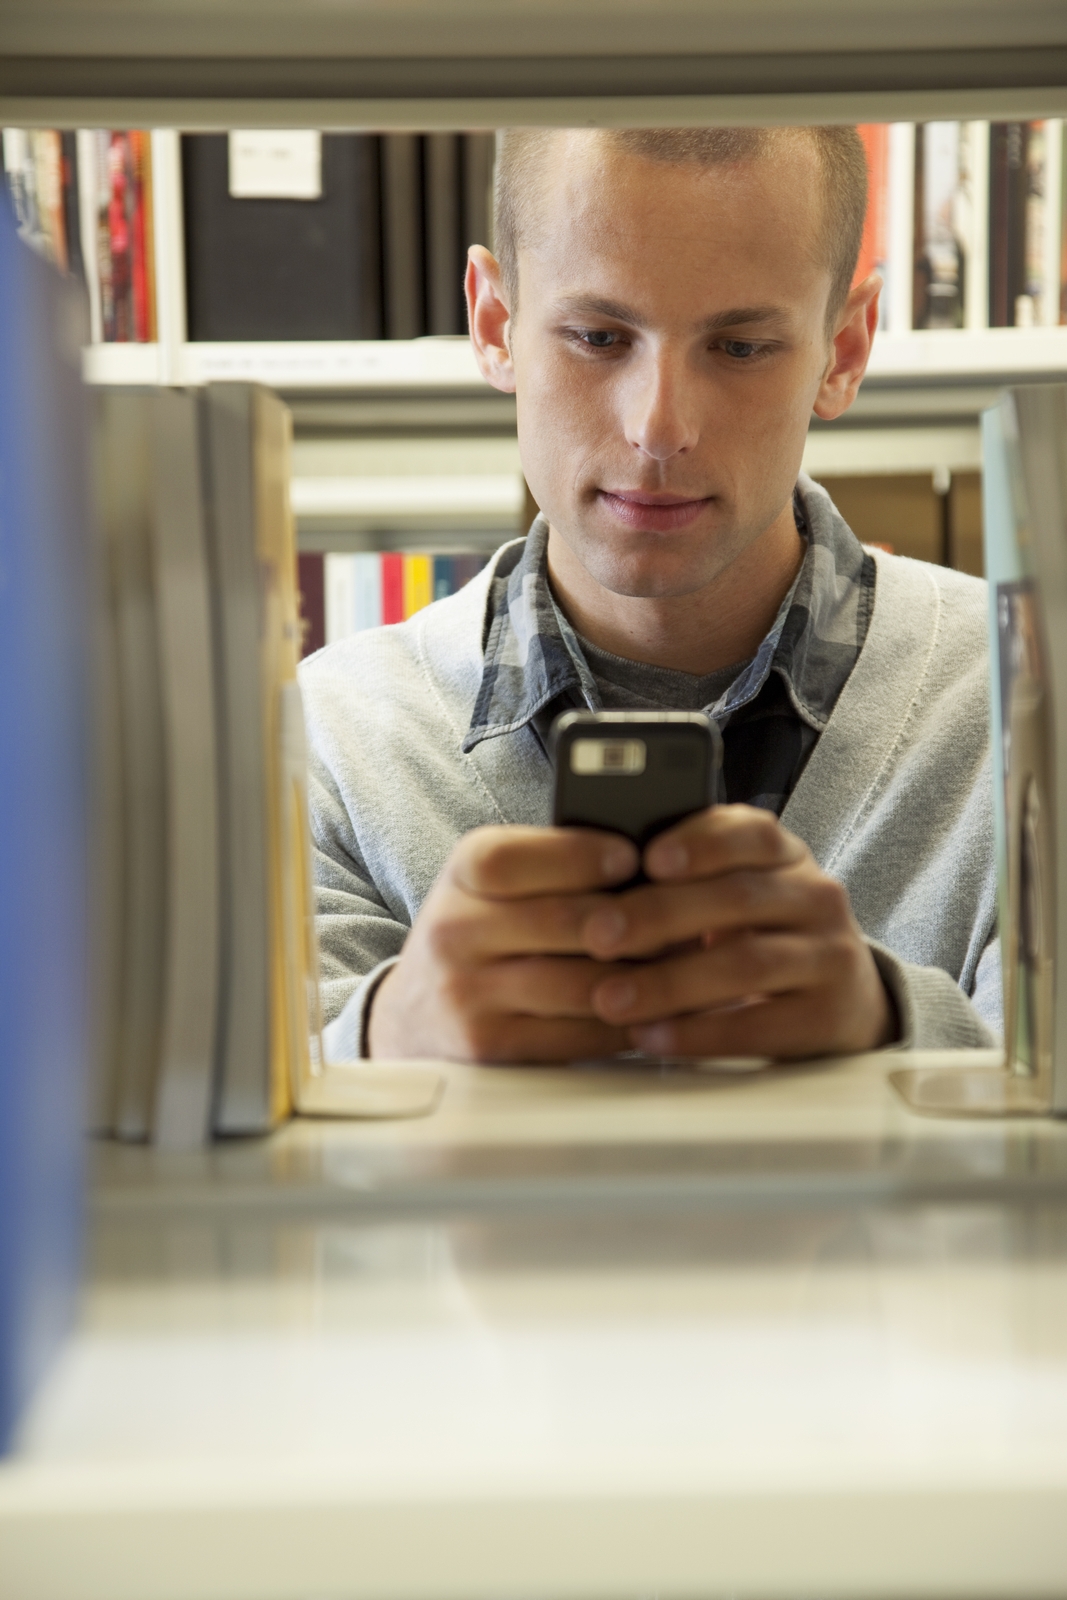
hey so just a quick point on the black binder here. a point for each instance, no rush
(283, 269)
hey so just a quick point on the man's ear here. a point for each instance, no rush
(489, 316)
(851, 350)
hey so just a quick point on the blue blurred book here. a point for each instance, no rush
(46, 589)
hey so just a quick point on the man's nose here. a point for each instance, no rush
(661, 417)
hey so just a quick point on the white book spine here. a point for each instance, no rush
(367, 608)
(901, 226)
(976, 281)
(338, 578)
(88, 145)
(168, 243)
(1052, 286)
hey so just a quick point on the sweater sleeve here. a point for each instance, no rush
(359, 935)
(934, 1012)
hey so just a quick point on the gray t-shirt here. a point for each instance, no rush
(635, 686)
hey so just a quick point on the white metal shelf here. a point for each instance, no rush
(985, 355)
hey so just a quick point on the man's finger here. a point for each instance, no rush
(467, 930)
(739, 968)
(654, 917)
(505, 863)
(787, 1027)
(500, 1037)
(722, 839)
(542, 986)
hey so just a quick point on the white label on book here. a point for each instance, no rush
(275, 164)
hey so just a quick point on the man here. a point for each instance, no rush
(669, 309)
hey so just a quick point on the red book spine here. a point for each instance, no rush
(392, 588)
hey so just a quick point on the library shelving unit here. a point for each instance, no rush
(521, 1346)
(917, 414)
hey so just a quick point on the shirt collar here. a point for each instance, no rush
(533, 657)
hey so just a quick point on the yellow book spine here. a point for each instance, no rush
(418, 584)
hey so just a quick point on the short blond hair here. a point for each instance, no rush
(842, 163)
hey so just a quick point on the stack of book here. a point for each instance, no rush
(360, 236)
(115, 182)
(211, 1023)
(342, 593)
(84, 202)
(986, 238)
(210, 913)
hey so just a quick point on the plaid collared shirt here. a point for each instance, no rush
(770, 716)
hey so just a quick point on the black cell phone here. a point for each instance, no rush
(634, 772)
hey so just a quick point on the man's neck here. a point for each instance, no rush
(717, 626)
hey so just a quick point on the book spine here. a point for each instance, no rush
(901, 227)
(444, 256)
(138, 239)
(418, 584)
(1007, 222)
(402, 235)
(339, 597)
(443, 577)
(368, 590)
(874, 248)
(311, 577)
(87, 142)
(71, 206)
(392, 588)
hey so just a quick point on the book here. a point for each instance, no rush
(1021, 700)
(38, 182)
(417, 582)
(111, 174)
(340, 597)
(187, 657)
(874, 246)
(279, 267)
(1016, 217)
(944, 224)
(46, 914)
(311, 582)
(367, 590)
(392, 587)
(1033, 420)
(444, 576)
(122, 441)
(402, 235)
(478, 154)
(444, 247)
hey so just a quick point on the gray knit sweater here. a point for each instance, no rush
(896, 800)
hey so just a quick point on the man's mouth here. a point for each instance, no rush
(651, 511)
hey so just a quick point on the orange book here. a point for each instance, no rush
(874, 249)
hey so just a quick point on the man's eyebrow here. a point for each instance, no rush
(615, 311)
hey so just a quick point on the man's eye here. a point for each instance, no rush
(599, 338)
(740, 349)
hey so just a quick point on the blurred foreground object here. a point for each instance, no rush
(208, 998)
(45, 672)
(1024, 438)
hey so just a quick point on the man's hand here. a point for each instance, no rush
(495, 967)
(754, 950)
(740, 945)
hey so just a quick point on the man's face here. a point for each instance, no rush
(668, 348)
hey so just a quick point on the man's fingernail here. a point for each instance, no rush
(655, 1038)
(605, 927)
(616, 996)
(618, 861)
(668, 860)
